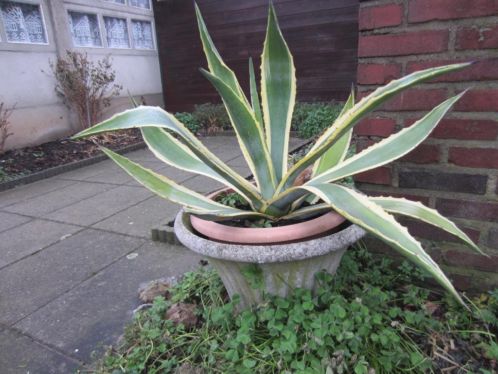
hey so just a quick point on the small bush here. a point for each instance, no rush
(189, 120)
(86, 87)
(4, 126)
(369, 318)
(310, 119)
(212, 117)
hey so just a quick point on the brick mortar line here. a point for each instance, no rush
(460, 86)
(472, 198)
(467, 54)
(94, 274)
(417, 114)
(431, 25)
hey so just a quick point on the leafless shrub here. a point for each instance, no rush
(85, 86)
(4, 125)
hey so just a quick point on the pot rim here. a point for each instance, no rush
(264, 253)
(257, 235)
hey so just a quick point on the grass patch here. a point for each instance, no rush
(370, 318)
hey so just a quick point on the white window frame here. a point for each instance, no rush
(153, 29)
(138, 7)
(118, 4)
(127, 21)
(99, 26)
(44, 24)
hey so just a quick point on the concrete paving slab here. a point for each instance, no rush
(114, 174)
(36, 280)
(29, 191)
(31, 237)
(101, 206)
(60, 198)
(20, 354)
(202, 184)
(83, 173)
(94, 313)
(237, 161)
(10, 220)
(139, 219)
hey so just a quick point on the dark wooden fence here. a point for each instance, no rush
(322, 36)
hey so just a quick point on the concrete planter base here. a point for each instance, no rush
(281, 267)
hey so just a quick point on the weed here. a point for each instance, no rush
(365, 319)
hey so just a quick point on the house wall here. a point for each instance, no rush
(26, 80)
(456, 169)
(322, 36)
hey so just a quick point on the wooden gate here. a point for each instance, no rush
(322, 36)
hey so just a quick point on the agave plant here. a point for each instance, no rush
(262, 129)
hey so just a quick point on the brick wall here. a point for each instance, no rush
(456, 169)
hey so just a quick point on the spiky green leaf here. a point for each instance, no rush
(216, 65)
(168, 189)
(142, 117)
(278, 93)
(256, 106)
(345, 122)
(389, 149)
(416, 210)
(336, 154)
(169, 150)
(249, 134)
(358, 209)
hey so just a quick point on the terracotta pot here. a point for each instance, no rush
(252, 235)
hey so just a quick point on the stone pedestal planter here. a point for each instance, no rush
(281, 267)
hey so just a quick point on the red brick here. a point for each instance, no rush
(474, 157)
(417, 42)
(423, 154)
(363, 143)
(430, 232)
(479, 71)
(374, 17)
(430, 10)
(375, 127)
(380, 175)
(416, 99)
(471, 260)
(438, 180)
(378, 73)
(493, 238)
(466, 129)
(475, 37)
(485, 100)
(423, 199)
(481, 211)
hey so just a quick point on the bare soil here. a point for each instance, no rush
(20, 162)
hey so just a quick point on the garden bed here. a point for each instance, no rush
(29, 164)
(369, 318)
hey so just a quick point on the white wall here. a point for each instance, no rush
(26, 80)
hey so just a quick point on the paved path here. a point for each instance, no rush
(74, 249)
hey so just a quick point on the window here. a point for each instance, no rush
(85, 29)
(117, 1)
(116, 32)
(142, 34)
(23, 22)
(145, 4)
